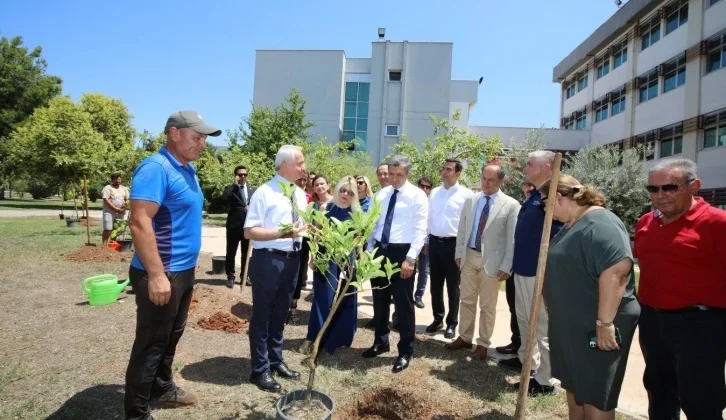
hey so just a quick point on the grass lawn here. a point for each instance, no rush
(217, 220)
(63, 359)
(49, 204)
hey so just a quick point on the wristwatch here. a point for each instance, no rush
(411, 260)
(604, 324)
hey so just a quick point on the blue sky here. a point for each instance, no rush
(162, 56)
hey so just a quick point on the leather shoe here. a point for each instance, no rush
(508, 349)
(230, 282)
(375, 350)
(265, 382)
(401, 363)
(512, 364)
(480, 353)
(450, 332)
(458, 344)
(434, 327)
(285, 372)
(418, 301)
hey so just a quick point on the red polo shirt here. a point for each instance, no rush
(683, 263)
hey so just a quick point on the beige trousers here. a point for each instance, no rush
(476, 285)
(524, 292)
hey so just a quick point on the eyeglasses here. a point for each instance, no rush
(241, 174)
(361, 183)
(667, 188)
(425, 187)
(343, 191)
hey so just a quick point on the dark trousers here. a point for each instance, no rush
(273, 278)
(158, 330)
(302, 274)
(685, 355)
(423, 275)
(235, 236)
(443, 270)
(513, 325)
(402, 292)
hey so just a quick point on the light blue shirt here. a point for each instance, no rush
(479, 209)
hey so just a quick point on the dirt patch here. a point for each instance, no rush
(298, 410)
(93, 253)
(223, 321)
(89, 222)
(389, 404)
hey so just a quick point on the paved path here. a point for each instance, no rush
(42, 213)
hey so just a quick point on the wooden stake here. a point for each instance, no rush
(88, 219)
(247, 266)
(544, 247)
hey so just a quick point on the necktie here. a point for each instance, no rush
(243, 194)
(385, 235)
(295, 218)
(482, 223)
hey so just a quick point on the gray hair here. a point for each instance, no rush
(500, 171)
(400, 160)
(688, 168)
(543, 156)
(286, 154)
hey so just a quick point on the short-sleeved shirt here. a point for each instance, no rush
(162, 179)
(118, 197)
(269, 208)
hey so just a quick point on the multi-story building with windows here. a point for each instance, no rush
(654, 72)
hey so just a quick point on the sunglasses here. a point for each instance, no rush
(241, 174)
(425, 187)
(361, 183)
(667, 188)
(344, 191)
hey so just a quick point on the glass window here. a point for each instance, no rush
(582, 83)
(651, 34)
(581, 123)
(350, 110)
(671, 146)
(364, 90)
(618, 106)
(361, 124)
(349, 124)
(603, 69)
(394, 76)
(716, 51)
(620, 57)
(362, 110)
(348, 135)
(678, 145)
(676, 15)
(392, 130)
(571, 90)
(712, 2)
(351, 91)
(601, 113)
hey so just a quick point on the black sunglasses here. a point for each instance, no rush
(347, 192)
(426, 187)
(653, 189)
(361, 183)
(241, 174)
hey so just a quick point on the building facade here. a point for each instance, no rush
(655, 73)
(373, 100)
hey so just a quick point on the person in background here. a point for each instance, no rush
(589, 290)
(345, 322)
(308, 181)
(115, 196)
(681, 251)
(527, 188)
(382, 174)
(302, 274)
(423, 258)
(322, 195)
(303, 184)
(365, 192)
(166, 227)
(274, 265)
(236, 197)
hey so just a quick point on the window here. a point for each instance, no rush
(617, 99)
(355, 114)
(392, 130)
(649, 141)
(674, 74)
(620, 54)
(712, 2)
(650, 33)
(714, 133)
(570, 125)
(581, 123)
(648, 86)
(569, 89)
(676, 15)
(582, 82)
(671, 141)
(601, 108)
(716, 55)
(394, 76)
(603, 68)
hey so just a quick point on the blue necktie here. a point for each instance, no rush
(482, 223)
(295, 219)
(385, 235)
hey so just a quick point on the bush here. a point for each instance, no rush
(40, 189)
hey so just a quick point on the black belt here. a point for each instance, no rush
(694, 308)
(392, 245)
(286, 254)
(443, 238)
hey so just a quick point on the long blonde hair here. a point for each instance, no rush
(351, 185)
(369, 190)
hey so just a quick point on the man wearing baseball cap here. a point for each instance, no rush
(166, 226)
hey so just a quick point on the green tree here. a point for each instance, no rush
(514, 160)
(449, 141)
(336, 160)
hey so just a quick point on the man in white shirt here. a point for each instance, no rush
(399, 236)
(274, 265)
(445, 204)
(115, 196)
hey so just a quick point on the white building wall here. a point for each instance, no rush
(711, 167)
(665, 109)
(610, 130)
(554, 138)
(581, 98)
(714, 19)
(463, 108)
(713, 91)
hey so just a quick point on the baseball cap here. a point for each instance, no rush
(192, 120)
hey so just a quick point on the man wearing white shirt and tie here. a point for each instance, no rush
(445, 204)
(399, 236)
(274, 265)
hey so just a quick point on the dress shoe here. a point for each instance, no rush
(450, 332)
(418, 301)
(535, 388)
(458, 344)
(230, 282)
(265, 382)
(480, 353)
(510, 348)
(285, 372)
(375, 350)
(512, 364)
(177, 397)
(434, 327)
(401, 363)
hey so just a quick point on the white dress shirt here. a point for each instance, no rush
(410, 217)
(479, 209)
(445, 210)
(269, 207)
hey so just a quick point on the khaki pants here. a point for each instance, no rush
(476, 285)
(524, 291)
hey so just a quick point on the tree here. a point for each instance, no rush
(265, 130)
(449, 142)
(513, 161)
(336, 160)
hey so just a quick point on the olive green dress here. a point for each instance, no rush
(576, 258)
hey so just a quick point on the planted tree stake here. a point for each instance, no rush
(88, 219)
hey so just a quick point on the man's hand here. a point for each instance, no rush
(296, 232)
(502, 275)
(406, 269)
(425, 249)
(458, 263)
(159, 289)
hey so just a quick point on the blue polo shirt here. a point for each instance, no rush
(528, 235)
(160, 178)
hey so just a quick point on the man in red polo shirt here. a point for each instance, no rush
(681, 251)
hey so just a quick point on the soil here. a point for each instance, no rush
(390, 404)
(298, 410)
(96, 253)
(89, 222)
(223, 321)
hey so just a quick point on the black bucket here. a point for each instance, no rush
(299, 395)
(72, 222)
(126, 245)
(218, 264)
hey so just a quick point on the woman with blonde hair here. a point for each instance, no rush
(589, 291)
(365, 192)
(345, 322)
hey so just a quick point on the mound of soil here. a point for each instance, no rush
(389, 404)
(223, 321)
(92, 253)
(89, 222)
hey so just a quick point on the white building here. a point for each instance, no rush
(654, 72)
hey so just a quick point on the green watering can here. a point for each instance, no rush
(103, 289)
